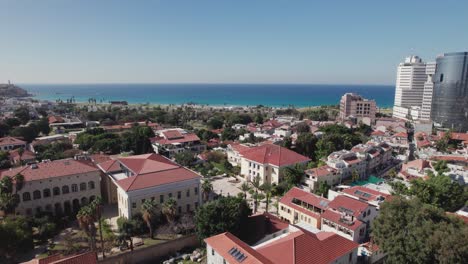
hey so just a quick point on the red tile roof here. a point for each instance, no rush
(85, 258)
(303, 247)
(321, 171)
(51, 169)
(456, 136)
(27, 155)
(307, 197)
(274, 155)
(55, 119)
(365, 193)
(451, 158)
(418, 164)
(345, 202)
(401, 134)
(224, 242)
(8, 141)
(377, 133)
(336, 217)
(174, 136)
(239, 147)
(149, 170)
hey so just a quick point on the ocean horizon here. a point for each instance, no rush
(273, 95)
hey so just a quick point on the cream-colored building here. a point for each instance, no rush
(60, 186)
(132, 180)
(266, 162)
(233, 152)
(298, 206)
(323, 174)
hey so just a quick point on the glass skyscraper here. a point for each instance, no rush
(450, 96)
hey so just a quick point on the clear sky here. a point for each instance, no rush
(222, 41)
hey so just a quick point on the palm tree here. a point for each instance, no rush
(19, 182)
(267, 188)
(245, 188)
(256, 184)
(86, 221)
(169, 209)
(126, 232)
(148, 209)
(207, 188)
(8, 199)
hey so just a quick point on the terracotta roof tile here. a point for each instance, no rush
(344, 202)
(7, 141)
(274, 155)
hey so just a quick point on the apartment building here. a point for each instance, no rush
(132, 180)
(266, 161)
(169, 142)
(354, 106)
(60, 186)
(10, 143)
(323, 174)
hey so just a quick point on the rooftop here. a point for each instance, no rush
(348, 205)
(145, 171)
(274, 155)
(8, 141)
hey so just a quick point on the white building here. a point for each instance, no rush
(411, 76)
(428, 89)
(60, 186)
(132, 180)
(169, 142)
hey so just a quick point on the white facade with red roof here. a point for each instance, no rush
(266, 161)
(9, 143)
(323, 174)
(233, 151)
(169, 142)
(349, 217)
(292, 245)
(134, 179)
(59, 186)
(301, 206)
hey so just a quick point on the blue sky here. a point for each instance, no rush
(221, 41)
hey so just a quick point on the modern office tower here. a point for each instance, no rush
(353, 105)
(428, 89)
(411, 77)
(450, 96)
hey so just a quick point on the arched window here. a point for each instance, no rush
(83, 186)
(91, 185)
(36, 195)
(74, 188)
(65, 189)
(56, 191)
(48, 208)
(46, 193)
(26, 196)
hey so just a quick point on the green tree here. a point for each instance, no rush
(306, 145)
(16, 234)
(126, 232)
(215, 122)
(169, 208)
(292, 175)
(22, 114)
(256, 187)
(228, 134)
(287, 142)
(207, 188)
(185, 158)
(28, 133)
(355, 176)
(322, 189)
(440, 191)
(227, 214)
(43, 126)
(148, 210)
(412, 232)
(245, 188)
(267, 190)
(4, 160)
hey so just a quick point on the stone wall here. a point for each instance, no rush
(152, 254)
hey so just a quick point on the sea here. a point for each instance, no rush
(273, 95)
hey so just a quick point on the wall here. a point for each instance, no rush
(153, 254)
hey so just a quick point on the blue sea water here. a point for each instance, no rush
(275, 95)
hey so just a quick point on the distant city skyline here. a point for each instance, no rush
(212, 41)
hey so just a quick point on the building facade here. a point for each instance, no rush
(411, 76)
(10, 143)
(58, 187)
(428, 90)
(353, 105)
(132, 180)
(170, 142)
(450, 97)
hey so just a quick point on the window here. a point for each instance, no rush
(29, 211)
(170, 195)
(196, 205)
(212, 252)
(91, 185)
(368, 212)
(179, 209)
(152, 198)
(26, 196)
(36, 195)
(188, 193)
(179, 194)
(188, 207)
(56, 191)
(441, 78)
(133, 205)
(224, 261)
(350, 257)
(65, 189)
(46, 193)
(143, 201)
(196, 190)
(161, 198)
(82, 186)
(74, 188)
